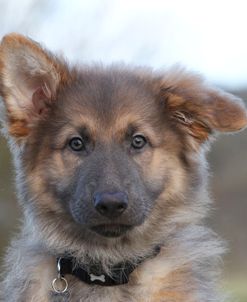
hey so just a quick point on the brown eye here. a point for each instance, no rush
(138, 141)
(76, 144)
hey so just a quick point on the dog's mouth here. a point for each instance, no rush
(111, 230)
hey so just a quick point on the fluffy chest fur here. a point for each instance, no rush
(175, 274)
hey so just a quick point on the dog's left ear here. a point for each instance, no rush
(29, 79)
(198, 108)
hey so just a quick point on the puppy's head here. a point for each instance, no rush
(107, 152)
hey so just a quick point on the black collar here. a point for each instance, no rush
(119, 274)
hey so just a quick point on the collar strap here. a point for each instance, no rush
(119, 274)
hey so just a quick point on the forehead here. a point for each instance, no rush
(110, 99)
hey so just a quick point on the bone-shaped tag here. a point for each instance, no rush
(94, 277)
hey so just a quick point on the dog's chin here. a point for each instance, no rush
(111, 230)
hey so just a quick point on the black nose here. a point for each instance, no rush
(110, 204)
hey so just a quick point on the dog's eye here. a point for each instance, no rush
(138, 141)
(76, 144)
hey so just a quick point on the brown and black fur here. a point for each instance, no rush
(46, 103)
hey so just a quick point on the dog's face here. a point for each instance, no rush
(106, 150)
(98, 152)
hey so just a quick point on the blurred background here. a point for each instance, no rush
(206, 36)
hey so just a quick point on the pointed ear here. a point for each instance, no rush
(29, 81)
(198, 108)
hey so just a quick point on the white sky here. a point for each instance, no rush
(207, 36)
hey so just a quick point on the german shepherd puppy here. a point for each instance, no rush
(112, 179)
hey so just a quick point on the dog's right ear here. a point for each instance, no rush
(29, 81)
